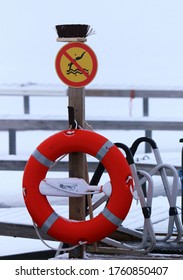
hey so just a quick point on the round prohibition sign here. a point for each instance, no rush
(76, 64)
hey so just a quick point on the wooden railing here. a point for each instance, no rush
(28, 122)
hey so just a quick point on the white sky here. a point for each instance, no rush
(139, 43)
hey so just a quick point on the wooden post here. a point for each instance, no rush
(77, 164)
(26, 104)
(12, 141)
(148, 133)
(77, 161)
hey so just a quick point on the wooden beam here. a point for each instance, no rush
(95, 93)
(143, 123)
(137, 93)
(77, 164)
(19, 230)
(29, 123)
(19, 165)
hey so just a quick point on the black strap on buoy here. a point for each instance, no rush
(72, 120)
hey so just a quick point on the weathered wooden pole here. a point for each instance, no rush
(77, 164)
(76, 65)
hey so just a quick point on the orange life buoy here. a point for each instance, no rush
(71, 231)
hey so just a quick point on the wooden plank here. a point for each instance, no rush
(32, 92)
(54, 124)
(143, 124)
(94, 92)
(12, 165)
(19, 165)
(19, 230)
(111, 250)
(162, 250)
(32, 124)
(137, 93)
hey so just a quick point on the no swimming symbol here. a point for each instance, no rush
(76, 64)
(78, 70)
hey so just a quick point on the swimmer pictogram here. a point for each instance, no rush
(76, 71)
(76, 64)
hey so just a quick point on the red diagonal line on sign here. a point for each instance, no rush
(76, 64)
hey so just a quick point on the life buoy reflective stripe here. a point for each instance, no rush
(43, 214)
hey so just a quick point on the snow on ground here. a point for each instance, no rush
(114, 108)
(148, 54)
(160, 206)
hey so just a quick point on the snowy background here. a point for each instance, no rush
(139, 45)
